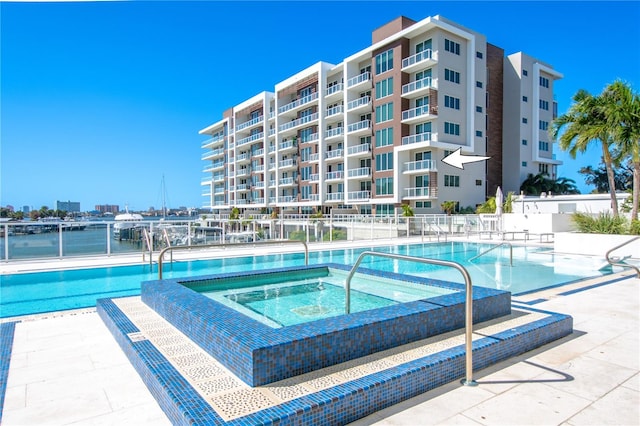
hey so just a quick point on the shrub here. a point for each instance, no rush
(634, 228)
(337, 234)
(604, 223)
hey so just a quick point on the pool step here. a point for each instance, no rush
(193, 388)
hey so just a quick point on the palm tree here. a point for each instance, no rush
(586, 121)
(534, 184)
(623, 113)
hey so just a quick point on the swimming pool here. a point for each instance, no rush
(533, 268)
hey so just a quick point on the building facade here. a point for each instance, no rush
(369, 134)
(68, 206)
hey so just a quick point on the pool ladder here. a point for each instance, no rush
(495, 247)
(616, 262)
(270, 242)
(468, 380)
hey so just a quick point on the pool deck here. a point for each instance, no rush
(67, 368)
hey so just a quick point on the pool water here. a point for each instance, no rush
(533, 268)
(294, 301)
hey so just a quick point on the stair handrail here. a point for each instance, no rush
(468, 380)
(148, 243)
(495, 247)
(261, 243)
(624, 265)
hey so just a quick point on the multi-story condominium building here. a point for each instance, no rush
(369, 134)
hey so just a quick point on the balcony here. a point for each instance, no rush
(218, 152)
(287, 199)
(272, 183)
(243, 158)
(334, 90)
(259, 184)
(314, 157)
(288, 145)
(418, 87)
(272, 165)
(218, 190)
(300, 121)
(360, 172)
(422, 166)
(356, 150)
(298, 103)
(335, 175)
(421, 137)
(309, 138)
(213, 141)
(360, 126)
(336, 110)
(272, 132)
(334, 154)
(289, 163)
(419, 60)
(217, 165)
(288, 181)
(243, 172)
(249, 139)
(418, 114)
(218, 177)
(258, 200)
(358, 195)
(242, 187)
(259, 169)
(335, 196)
(359, 103)
(314, 177)
(249, 123)
(314, 197)
(258, 152)
(333, 132)
(420, 193)
(359, 79)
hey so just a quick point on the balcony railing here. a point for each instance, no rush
(334, 89)
(365, 76)
(418, 57)
(335, 175)
(250, 139)
(286, 181)
(334, 153)
(242, 157)
(309, 138)
(422, 137)
(333, 111)
(242, 187)
(416, 112)
(299, 121)
(242, 172)
(314, 157)
(361, 172)
(360, 125)
(365, 100)
(298, 102)
(259, 168)
(423, 165)
(357, 149)
(213, 140)
(420, 192)
(287, 199)
(258, 152)
(314, 177)
(218, 178)
(249, 123)
(259, 184)
(417, 85)
(333, 132)
(358, 195)
(217, 165)
(335, 196)
(287, 144)
(272, 182)
(287, 163)
(314, 197)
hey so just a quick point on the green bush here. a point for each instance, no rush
(604, 223)
(298, 236)
(634, 228)
(337, 234)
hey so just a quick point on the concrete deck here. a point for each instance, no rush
(66, 368)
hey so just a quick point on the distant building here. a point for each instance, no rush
(68, 206)
(108, 208)
(26, 209)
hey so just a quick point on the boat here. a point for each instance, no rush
(125, 222)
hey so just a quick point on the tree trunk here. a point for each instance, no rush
(606, 156)
(636, 189)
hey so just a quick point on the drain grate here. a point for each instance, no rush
(136, 337)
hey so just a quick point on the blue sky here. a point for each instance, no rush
(99, 100)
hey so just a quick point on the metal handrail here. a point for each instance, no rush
(149, 244)
(495, 247)
(624, 265)
(188, 247)
(439, 231)
(468, 380)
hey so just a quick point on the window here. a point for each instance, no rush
(384, 61)
(478, 108)
(479, 55)
(384, 88)
(478, 182)
(384, 161)
(525, 99)
(451, 128)
(544, 105)
(384, 137)
(384, 112)
(543, 125)
(305, 172)
(524, 141)
(385, 210)
(479, 133)
(452, 46)
(384, 186)
(543, 168)
(452, 76)
(524, 120)
(525, 73)
(479, 84)
(447, 152)
(452, 180)
(305, 153)
(451, 102)
(543, 146)
(544, 82)
(524, 164)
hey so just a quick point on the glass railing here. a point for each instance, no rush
(287, 163)
(335, 196)
(415, 112)
(250, 139)
(287, 199)
(425, 165)
(213, 140)
(242, 187)
(286, 181)
(259, 184)
(249, 123)
(334, 89)
(359, 195)
(365, 76)
(309, 138)
(243, 156)
(417, 85)
(259, 168)
(258, 152)
(298, 122)
(298, 102)
(287, 145)
(419, 192)
(362, 171)
(365, 100)
(314, 177)
(357, 149)
(334, 153)
(418, 57)
(364, 124)
(242, 172)
(314, 157)
(272, 182)
(422, 137)
(333, 132)
(333, 111)
(335, 175)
